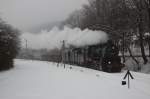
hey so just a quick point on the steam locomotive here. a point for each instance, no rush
(100, 57)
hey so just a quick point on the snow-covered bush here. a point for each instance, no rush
(9, 45)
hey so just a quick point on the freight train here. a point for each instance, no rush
(99, 56)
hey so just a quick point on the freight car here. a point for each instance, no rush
(100, 57)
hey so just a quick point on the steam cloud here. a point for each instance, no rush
(53, 38)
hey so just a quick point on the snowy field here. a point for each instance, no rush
(44, 80)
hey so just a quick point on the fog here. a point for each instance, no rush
(53, 39)
(25, 14)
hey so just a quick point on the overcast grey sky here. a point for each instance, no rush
(25, 14)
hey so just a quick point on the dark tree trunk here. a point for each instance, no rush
(134, 58)
(140, 30)
(149, 47)
(149, 25)
(141, 44)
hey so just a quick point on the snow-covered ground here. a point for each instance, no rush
(44, 80)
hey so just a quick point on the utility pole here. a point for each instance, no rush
(25, 47)
(26, 44)
(63, 52)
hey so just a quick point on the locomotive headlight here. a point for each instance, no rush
(109, 62)
(113, 47)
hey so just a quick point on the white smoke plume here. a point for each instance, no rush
(53, 38)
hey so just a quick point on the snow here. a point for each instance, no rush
(44, 80)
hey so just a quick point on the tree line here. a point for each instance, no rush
(126, 21)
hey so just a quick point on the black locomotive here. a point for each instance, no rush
(100, 57)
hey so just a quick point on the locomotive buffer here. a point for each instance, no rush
(128, 74)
